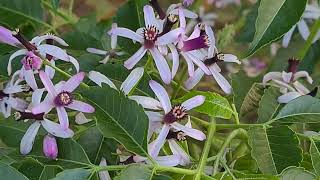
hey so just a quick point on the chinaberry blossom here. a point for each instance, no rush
(150, 37)
(60, 97)
(312, 12)
(210, 59)
(39, 120)
(112, 53)
(288, 82)
(8, 99)
(170, 117)
(50, 147)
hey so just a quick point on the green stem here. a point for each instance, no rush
(212, 158)
(46, 62)
(232, 135)
(228, 169)
(206, 149)
(235, 114)
(314, 30)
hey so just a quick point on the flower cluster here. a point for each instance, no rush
(40, 50)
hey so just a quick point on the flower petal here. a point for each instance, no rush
(28, 138)
(7, 38)
(99, 78)
(63, 117)
(104, 175)
(302, 74)
(196, 32)
(170, 37)
(73, 82)
(212, 41)
(49, 70)
(196, 59)
(175, 59)
(114, 38)
(193, 102)
(301, 88)
(43, 107)
(147, 102)
(31, 81)
(38, 39)
(36, 96)
(161, 94)
(53, 51)
(159, 142)
(75, 63)
(189, 64)
(182, 18)
(135, 58)
(127, 33)
(288, 97)
(271, 76)
(81, 119)
(287, 37)
(14, 55)
(81, 106)
(194, 133)
(177, 150)
(97, 51)
(231, 58)
(56, 130)
(286, 77)
(170, 160)
(223, 83)
(162, 66)
(194, 80)
(48, 84)
(303, 29)
(149, 17)
(18, 104)
(132, 80)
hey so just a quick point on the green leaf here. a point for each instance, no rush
(275, 18)
(137, 171)
(297, 173)
(120, 118)
(275, 148)
(118, 73)
(268, 105)
(30, 168)
(16, 12)
(305, 109)
(130, 16)
(49, 172)
(315, 155)
(215, 105)
(8, 172)
(55, 3)
(73, 174)
(246, 92)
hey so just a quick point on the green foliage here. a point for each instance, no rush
(134, 172)
(275, 18)
(73, 174)
(112, 110)
(268, 106)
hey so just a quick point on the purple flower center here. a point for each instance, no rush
(177, 135)
(3, 95)
(63, 99)
(178, 112)
(216, 58)
(31, 61)
(150, 35)
(293, 65)
(196, 43)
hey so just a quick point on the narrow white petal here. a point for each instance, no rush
(194, 80)
(29, 77)
(189, 64)
(193, 102)
(170, 37)
(194, 133)
(302, 74)
(14, 55)
(301, 88)
(159, 142)
(196, 59)
(271, 76)
(286, 77)
(196, 32)
(28, 138)
(170, 160)
(99, 78)
(177, 150)
(104, 175)
(149, 17)
(303, 29)
(56, 130)
(75, 63)
(49, 70)
(231, 58)
(81, 119)
(182, 18)
(223, 83)
(287, 37)
(53, 51)
(212, 40)
(39, 39)
(37, 95)
(175, 59)
(132, 80)
(135, 58)
(97, 51)
(288, 97)
(114, 38)
(162, 66)
(147, 102)
(162, 95)
(127, 33)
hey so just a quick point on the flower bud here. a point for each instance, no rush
(50, 147)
